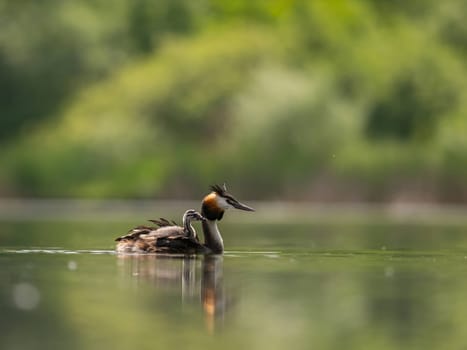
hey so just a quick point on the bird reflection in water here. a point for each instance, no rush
(196, 277)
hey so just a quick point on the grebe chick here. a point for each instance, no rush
(166, 238)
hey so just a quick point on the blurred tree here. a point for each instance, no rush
(66, 45)
(140, 97)
(149, 21)
(417, 99)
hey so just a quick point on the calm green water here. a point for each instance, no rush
(335, 286)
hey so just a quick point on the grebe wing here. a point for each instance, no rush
(142, 231)
(169, 239)
(166, 231)
(134, 233)
(177, 243)
(164, 222)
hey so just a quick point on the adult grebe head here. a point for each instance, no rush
(218, 201)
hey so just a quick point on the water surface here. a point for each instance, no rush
(367, 285)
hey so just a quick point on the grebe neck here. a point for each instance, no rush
(188, 228)
(212, 237)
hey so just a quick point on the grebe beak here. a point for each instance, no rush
(199, 217)
(241, 206)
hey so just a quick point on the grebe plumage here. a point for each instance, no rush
(170, 238)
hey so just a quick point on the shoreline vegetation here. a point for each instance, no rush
(34, 209)
(359, 101)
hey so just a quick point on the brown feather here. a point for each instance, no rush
(162, 222)
(210, 209)
(219, 190)
(167, 238)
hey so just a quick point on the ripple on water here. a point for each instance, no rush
(55, 251)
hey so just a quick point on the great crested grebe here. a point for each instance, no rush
(167, 238)
(213, 207)
(170, 238)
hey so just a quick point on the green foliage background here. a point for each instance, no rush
(282, 99)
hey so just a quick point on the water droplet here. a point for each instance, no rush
(26, 296)
(389, 272)
(72, 265)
